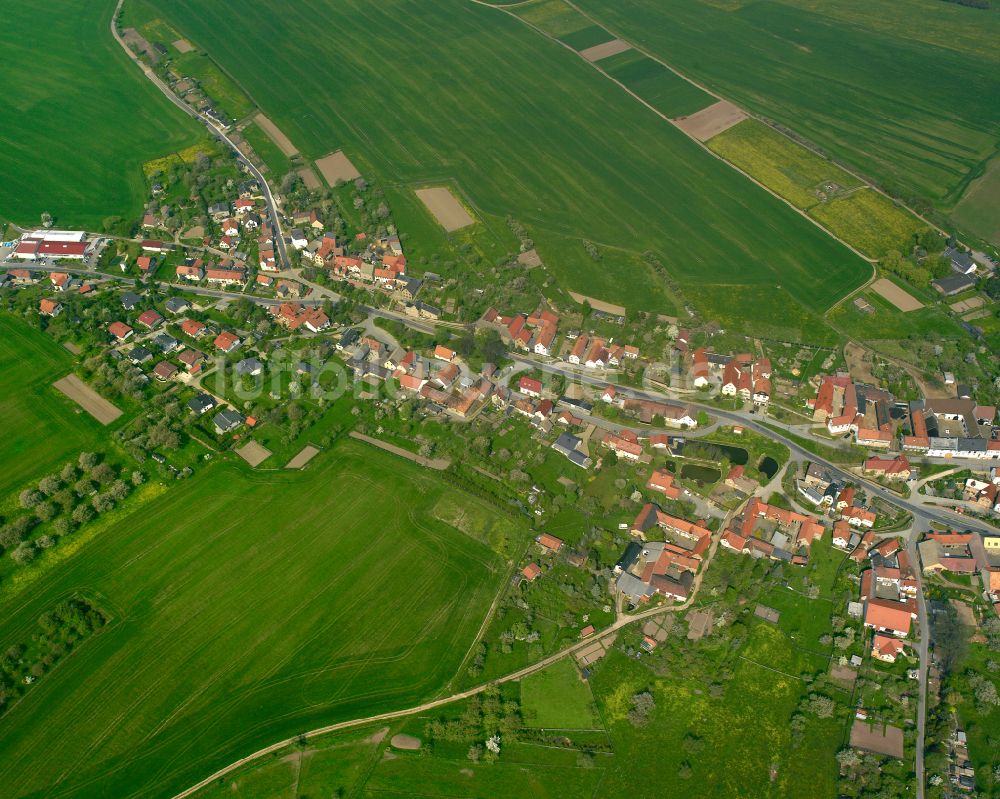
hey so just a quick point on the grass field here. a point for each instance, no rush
(229, 97)
(794, 172)
(657, 85)
(80, 119)
(870, 221)
(523, 143)
(43, 428)
(909, 108)
(246, 608)
(556, 698)
(277, 162)
(888, 322)
(979, 209)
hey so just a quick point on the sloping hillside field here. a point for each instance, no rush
(244, 608)
(433, 91)
(79, 118)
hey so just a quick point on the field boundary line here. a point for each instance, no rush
(806, 144)
(596, 66)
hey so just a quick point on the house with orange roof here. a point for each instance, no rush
(49, 307)
(531, 572)
(549, 542)
(227, 341)
(120, 330)
(897, 468)
(625, 444)
(663, 481)
(887, 648)
(888, 616)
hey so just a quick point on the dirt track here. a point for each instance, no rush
(88, 399)
(305, 455)
(275, 134)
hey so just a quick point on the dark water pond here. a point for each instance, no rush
(768, 466)
(700, 474)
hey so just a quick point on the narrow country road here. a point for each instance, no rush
(272, 208)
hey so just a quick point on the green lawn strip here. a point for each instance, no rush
(852, 455)
(666, 91)
(229, 97)
(269, 152)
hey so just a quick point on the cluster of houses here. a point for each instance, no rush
(952, 428)
(965, 553)
(849, 407)
(646, 410)
(597, 353)
(436, 377)
(964, 273)
(767, 531)
(664, 568)
(819, 488)
(887, 601)
(739, 375)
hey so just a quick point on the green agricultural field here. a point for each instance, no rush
(554, 17)
(270, 153)
(246, 607)
(557, 698)
(664, 90)
(903, 90)
(44, 429)
(794, 172)
(80, 118)
(322, 768)
(535, 142)
(870, 221)
(979, 209)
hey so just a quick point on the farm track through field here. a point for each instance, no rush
(621, 622)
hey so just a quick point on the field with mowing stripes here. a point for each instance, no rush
(902, 91)
(79, 117)
(42, 428)
(244, 609)
(547, 139)
(657, 85)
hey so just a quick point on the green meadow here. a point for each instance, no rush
(547, 139)
(246, 607)
(43, 428)
(903, 92)
(666, 91)
(79, 118)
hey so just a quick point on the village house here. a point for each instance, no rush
(149, 319)
(948, 428)
(120, 330)
(49, 307)
(227, 341)
(748, 378)
(897, 468)
(549, 543)
(858, 408)
(663, 481)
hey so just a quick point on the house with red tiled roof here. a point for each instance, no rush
(529, 386)
(49, 307)
(888, 616)
(193, 272)
(624, 443)
(192, 327)
(531, 572)
(897, 468)
(663, 481)
(120, 330)
(149, 319)
(227, 341)
(887, 648)
(442, 353)
(858, 517)
(549, 542)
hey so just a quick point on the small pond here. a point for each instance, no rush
(700, 474)
(736, 455)
(768, 466)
